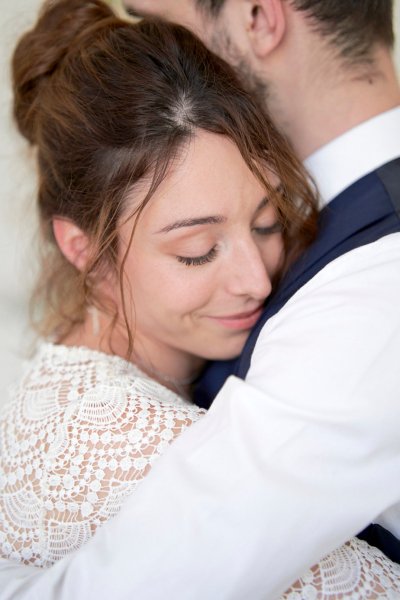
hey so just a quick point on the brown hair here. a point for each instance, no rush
(108, 103)
(353, 26)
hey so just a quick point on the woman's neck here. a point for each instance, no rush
(174, 368)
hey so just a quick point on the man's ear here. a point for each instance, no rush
(71, 240)
(266, 22)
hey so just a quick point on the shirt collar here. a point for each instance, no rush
(346, 159)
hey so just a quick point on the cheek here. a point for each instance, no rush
(190, 290)
(176, 291)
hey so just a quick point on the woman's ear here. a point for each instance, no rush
(73, 243)
(266, 21)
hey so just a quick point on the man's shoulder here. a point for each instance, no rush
(360, 276)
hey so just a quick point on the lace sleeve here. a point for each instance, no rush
(355, 570)
(71, 455)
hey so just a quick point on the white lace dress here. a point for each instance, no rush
(82, 429)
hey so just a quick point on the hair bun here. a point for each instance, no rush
(41, 50)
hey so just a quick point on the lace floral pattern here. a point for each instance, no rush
(355, 570)
(81, 431)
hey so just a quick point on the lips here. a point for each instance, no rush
(245, 320)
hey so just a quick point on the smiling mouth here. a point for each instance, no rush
(245, 320)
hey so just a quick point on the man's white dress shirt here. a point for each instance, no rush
(286, 465)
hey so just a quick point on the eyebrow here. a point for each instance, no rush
(212, 220)
(132, 12)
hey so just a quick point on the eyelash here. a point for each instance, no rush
(275, 228)
(196, 261)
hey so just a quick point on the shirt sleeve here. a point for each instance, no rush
(285, 466)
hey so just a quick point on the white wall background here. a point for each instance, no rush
(17, 183)
(17, 197)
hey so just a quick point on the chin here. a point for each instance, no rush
(225, 351)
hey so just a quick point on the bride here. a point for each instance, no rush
(169, 207)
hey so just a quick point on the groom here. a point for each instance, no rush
(324, 71)
(301, 450)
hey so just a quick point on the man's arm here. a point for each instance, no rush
(284, 467)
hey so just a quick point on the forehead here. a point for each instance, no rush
(210, 177)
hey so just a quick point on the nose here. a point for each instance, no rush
(247, 274)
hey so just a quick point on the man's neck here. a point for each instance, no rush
(311, 114)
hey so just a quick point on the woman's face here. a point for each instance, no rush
(203, 255)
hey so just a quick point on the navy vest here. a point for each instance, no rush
(365, 212)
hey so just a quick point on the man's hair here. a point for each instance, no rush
(353, 26)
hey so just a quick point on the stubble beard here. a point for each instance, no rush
(222, 45)
(262, 90)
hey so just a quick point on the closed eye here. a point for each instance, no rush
(195, 261)
(275, 228)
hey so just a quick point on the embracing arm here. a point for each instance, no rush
(285, 466)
